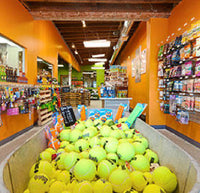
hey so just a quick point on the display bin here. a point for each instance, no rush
(15, 168)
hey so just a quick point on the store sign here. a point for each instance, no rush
(65, 89)
(68, 115)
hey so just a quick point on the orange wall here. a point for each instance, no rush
(138, 91)
(40, 39)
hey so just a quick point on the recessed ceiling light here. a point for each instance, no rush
(97, 44)
(76, 52)
(84, 24)
(98, 68)
(98, 55)
(99, 63)
(60, 65)
(39, 60)
(97, 59)
(73, 46)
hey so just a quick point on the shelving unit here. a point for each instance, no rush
(44, 115)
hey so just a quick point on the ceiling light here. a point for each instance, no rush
(97, 68)
(60, 65)
(39, 60)
(99, 63)
(98, 55)
(73, 46)
(97, 59)
(97, 44)
(126, 23)
(84, 24)
(76, 52)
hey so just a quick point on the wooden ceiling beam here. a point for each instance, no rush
(77, 11)
(106, 1)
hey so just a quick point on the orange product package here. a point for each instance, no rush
(119, 113)
(59, 127)
(51, 132)
(83, 113)
(54, 143)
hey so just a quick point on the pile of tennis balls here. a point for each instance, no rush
(97, 157)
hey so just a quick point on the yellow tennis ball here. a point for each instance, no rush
(70, 148)
(66, 191)
(54, 164)
(112, 157)
(163, 177)
(138, 180)
(57, 187)
(130, 191)
(97, 154)
(84, 154)
(42, 167)
(85, 169)
(70, 160)
(148, 177)
(61, 150)
(153, 188)
(83, 187)
(81, 145)
(120, 180)
(140, 163)
(71, 185)
(105, 167)
(60, 161)
(51, 150)
(63, 176)
(102, 186)
(125, 151)
(26, 191)
(39, 183)
(45, 155)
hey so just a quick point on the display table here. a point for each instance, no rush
(113, 103)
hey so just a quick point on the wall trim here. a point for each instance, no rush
(159, 126)
(8, 139)
(186, 138)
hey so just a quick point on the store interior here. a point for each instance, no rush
(83, 55)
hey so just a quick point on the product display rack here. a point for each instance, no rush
(179, 78)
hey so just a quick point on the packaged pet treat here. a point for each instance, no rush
(197, 68)
(190, 84)
(182, 53)
(188, 68)
(187, 49)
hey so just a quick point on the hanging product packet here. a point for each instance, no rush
(188, 68)
(182, 53)
(198, 47)
(82, 110)
(190, 84)
(120, 112)
(187, 50)
(197, 68)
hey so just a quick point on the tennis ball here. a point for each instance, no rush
(163, 177)
(66, 191)
(153, 188)
(148, 177)
(125, 151)
(143, 140)
(128, 133)
(111, 145)
(130, 191)
(69, 148)
(60, 150)
(140, 163)
(116, 134)
(26, 191)
(139, 148)
(105, 167)
(109, 122)
(88, 133)
(80, 126)
(120, 180)
(114, 127)
(85, 169)
(70, 160)
(105, 131)
(71, 185)
(102, 186)
(94, 129)
(84, 154)
(75, 135)
(124, 127)
(94, 141)
(45, 156)
(64, 144)
(60, 161)
(136, 135)
(51, 150)
(83, 187)
(122, 134)
(54, 164)
(98, 123)
(103, 140)
(97, 154)
(139, 182)
(43, 167)
(65, 135)
(81, 145)
(112, 157)
(151, 156)
(89, 123)
(39, 183)
(122, 120)
(63, 176)
(123, 140)
(57, 187)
